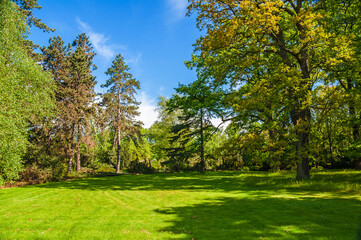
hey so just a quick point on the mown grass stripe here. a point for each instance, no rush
(217, 205)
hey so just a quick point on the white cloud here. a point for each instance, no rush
(217, 123)
(178, 8)
(147, 108)
(98, 40)
(133, 60)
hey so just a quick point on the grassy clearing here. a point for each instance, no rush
(217, 205)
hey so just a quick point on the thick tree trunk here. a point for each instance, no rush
(303, 171)
(302, 120)
(118, 152)
(78, 163)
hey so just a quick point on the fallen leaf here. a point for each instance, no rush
(194, 217)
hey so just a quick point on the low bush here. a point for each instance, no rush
(35, 174)
(140, 167)
(106, 168)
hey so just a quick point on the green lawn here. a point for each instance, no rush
(217, 205)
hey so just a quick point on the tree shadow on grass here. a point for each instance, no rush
(262, 210)
(318, 178)
(333, 183)
(180, 181)
(266, 218)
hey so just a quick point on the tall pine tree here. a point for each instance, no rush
(121, 105)
(56, 60)
(82, 83)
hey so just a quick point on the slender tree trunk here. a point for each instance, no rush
(355, 127)
(118, 152)
(71, 151)
(71, 154)
(273, 140)
(330, 143)
(78, 163)
(203, 162)
(48, 143)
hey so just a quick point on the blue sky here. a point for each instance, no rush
(154, 36)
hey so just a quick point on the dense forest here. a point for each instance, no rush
(283, 76)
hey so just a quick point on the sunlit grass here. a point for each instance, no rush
(217, 205)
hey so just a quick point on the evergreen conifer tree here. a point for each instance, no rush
(121, 105)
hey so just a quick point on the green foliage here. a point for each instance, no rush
(105, 153)
(40, 174)
(75, 119)
(198, 103)
(140, 167)
(286, 74)
(106, 168)
(25, 91)
(293, 68)
(26, 8)
(120, 104)
(158, 134)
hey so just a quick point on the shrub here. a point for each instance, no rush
(35, 174)
(140, 167)
(105, 168)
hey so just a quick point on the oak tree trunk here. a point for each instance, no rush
(301, 119)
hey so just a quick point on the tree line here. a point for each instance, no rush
(282, 77)
(287, 76)
(52, 122)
